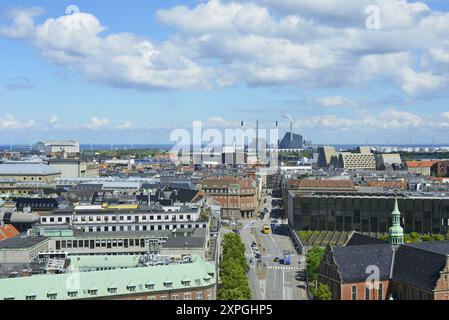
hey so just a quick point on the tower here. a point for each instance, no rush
(396, 233)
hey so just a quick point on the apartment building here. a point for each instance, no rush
(238, 197)
(98, 218)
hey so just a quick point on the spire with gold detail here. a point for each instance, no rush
(396, 233)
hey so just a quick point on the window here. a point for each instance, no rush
(30, 297)
(9, 298)
(380, 293)
(112, 290)
(131, 288)
(52, 296)
(72, 294)
(149, 286)
(92, 292)
(168, 284)
(187, 296)
(199, 296)
(186, 283)
(163, 298)
(367, 293)
(175, 297)
(354, 293)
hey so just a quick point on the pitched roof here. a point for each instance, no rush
(417, 265)
(353, 261)
(291, 141)
(8, 231)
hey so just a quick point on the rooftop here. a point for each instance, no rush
(38, 169)
(98, 284)
(21, 242)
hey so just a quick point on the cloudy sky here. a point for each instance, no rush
(347, 71)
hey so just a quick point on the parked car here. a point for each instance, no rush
(276, 259)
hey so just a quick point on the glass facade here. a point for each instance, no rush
(369, 213)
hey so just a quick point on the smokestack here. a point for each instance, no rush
(257, 137)
(291, 131)
(277, 132)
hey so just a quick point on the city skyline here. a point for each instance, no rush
(102, 77)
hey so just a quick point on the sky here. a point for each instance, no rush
(346, 71)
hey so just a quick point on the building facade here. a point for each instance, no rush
(366, 212)
(238, 198)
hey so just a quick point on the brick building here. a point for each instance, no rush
(441, 168)
(238, 198)
(370, 269)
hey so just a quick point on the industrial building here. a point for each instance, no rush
(74, 168)
(53, 147)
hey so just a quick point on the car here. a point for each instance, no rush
(254, 244)
(276, 259)
(257, 255)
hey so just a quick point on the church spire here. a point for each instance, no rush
(396, 233)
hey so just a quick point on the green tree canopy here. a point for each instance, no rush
(313, 259)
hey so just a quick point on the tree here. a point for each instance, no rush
(313, 259)
(446, 236)
(415, 237)
(234, 268)
(438, 237)
(321, 293)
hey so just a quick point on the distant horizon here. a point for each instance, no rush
(137, 146)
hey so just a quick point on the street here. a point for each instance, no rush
(269, 279)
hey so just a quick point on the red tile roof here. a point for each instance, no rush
(8, 231)
(420, 164)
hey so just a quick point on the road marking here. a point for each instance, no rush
(283, 285)
(278, 268)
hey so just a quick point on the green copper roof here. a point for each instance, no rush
(97, 261)
(91, 285)
(396, 208)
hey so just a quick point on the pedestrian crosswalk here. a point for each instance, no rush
(251, 255)
(287, 268)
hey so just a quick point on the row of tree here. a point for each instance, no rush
(313, 259)
(416, 237)
(233, 270)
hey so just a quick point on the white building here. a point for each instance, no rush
(70, 146)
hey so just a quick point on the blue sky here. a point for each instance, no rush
(130, 72)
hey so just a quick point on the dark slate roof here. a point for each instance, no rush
(184, 242)
(21, 242)
(37, 203)
(287, 143)
(186, 195)
(358, 239)
(416, 265)
(440, 247)
(354, 260)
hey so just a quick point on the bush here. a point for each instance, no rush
(321, 293)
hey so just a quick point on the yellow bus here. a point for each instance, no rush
(266, 229)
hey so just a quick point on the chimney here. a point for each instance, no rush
(277, 130)
(257, 137)
(291, 131)
(243, 137)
